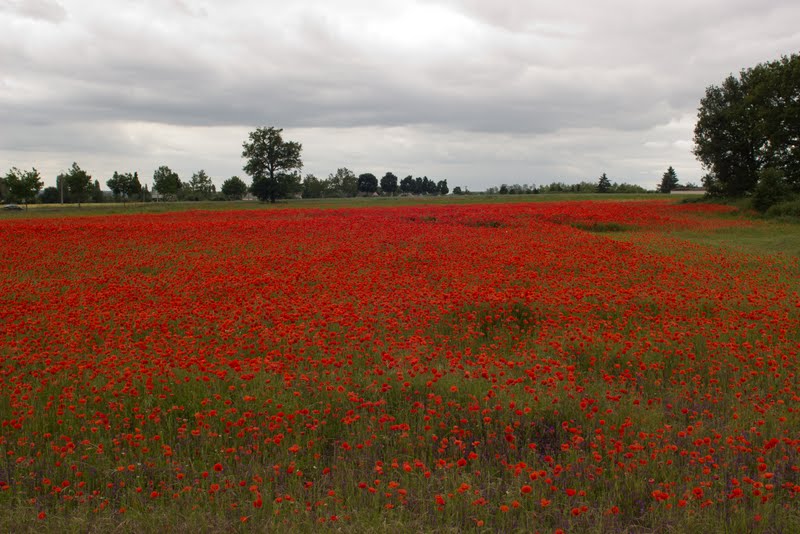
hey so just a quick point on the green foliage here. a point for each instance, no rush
(23, 186)
(234, 188)
(441, 187)
(313, 187)
(97, 193)
(78, 183)
(407, 184)
(342, 184)
(125, 186)
(367, 183)
(420, 186)
(389, 183)
(282, 185)
(166, 182)
(604, 184)
(749, 123)
(789, 209)
(669, 181)
(771, 189)
(200, 187)
(270, 162)
(457, 190)
(50, 195)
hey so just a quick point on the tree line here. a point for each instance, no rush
(274, 167)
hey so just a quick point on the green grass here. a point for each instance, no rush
(765, 237)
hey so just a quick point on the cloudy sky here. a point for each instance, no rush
(478, 92)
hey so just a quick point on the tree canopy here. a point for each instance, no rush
(234, 188)
(166, 182)
(124, 185)
(271, 163)
(750, 123)
(389, 183)
(200, 186)
(669, 181)
(367, 183)
(78, 182)
(23, 186)
(604, 184)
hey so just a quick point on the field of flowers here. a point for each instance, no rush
(514, 367)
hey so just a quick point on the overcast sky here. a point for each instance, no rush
(477, 92)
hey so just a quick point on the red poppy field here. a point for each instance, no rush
(511, 367)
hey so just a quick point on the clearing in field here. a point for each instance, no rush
(512, 367)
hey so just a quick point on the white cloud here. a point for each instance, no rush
(475, 92)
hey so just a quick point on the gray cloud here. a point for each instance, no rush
(478, 92)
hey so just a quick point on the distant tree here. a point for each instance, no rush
(97, 193)
(604, 184)
(457, 190)
(503, 189)
(50, 195)
(749, 123)
(441, 187)
(125, 186)
(201, 186)
(367, 183)
(343, 183)
(628, 188)
(349, 184)
(669, 181)
(313, 187)
(115, 183)
(234, 188)
(428, 186)
(166, 182)
(407, 184)
(78, 182)
(389, 183)
(23, 186)
(271, 162)
(284, 185)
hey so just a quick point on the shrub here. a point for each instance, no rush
(784, 209)
(771, 189)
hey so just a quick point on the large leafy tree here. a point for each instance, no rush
(271, 163)
(313, 187)
(407, 184)
(389, 183)
(124, 185)
(166, 182)
(78, 183)
(234, 188)
(201, 186)
(23, 186)
(343, 183)
(669, 181)
(367, 183)
(749, 123)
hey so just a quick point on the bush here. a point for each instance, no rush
(785, 209)
(771, 189)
